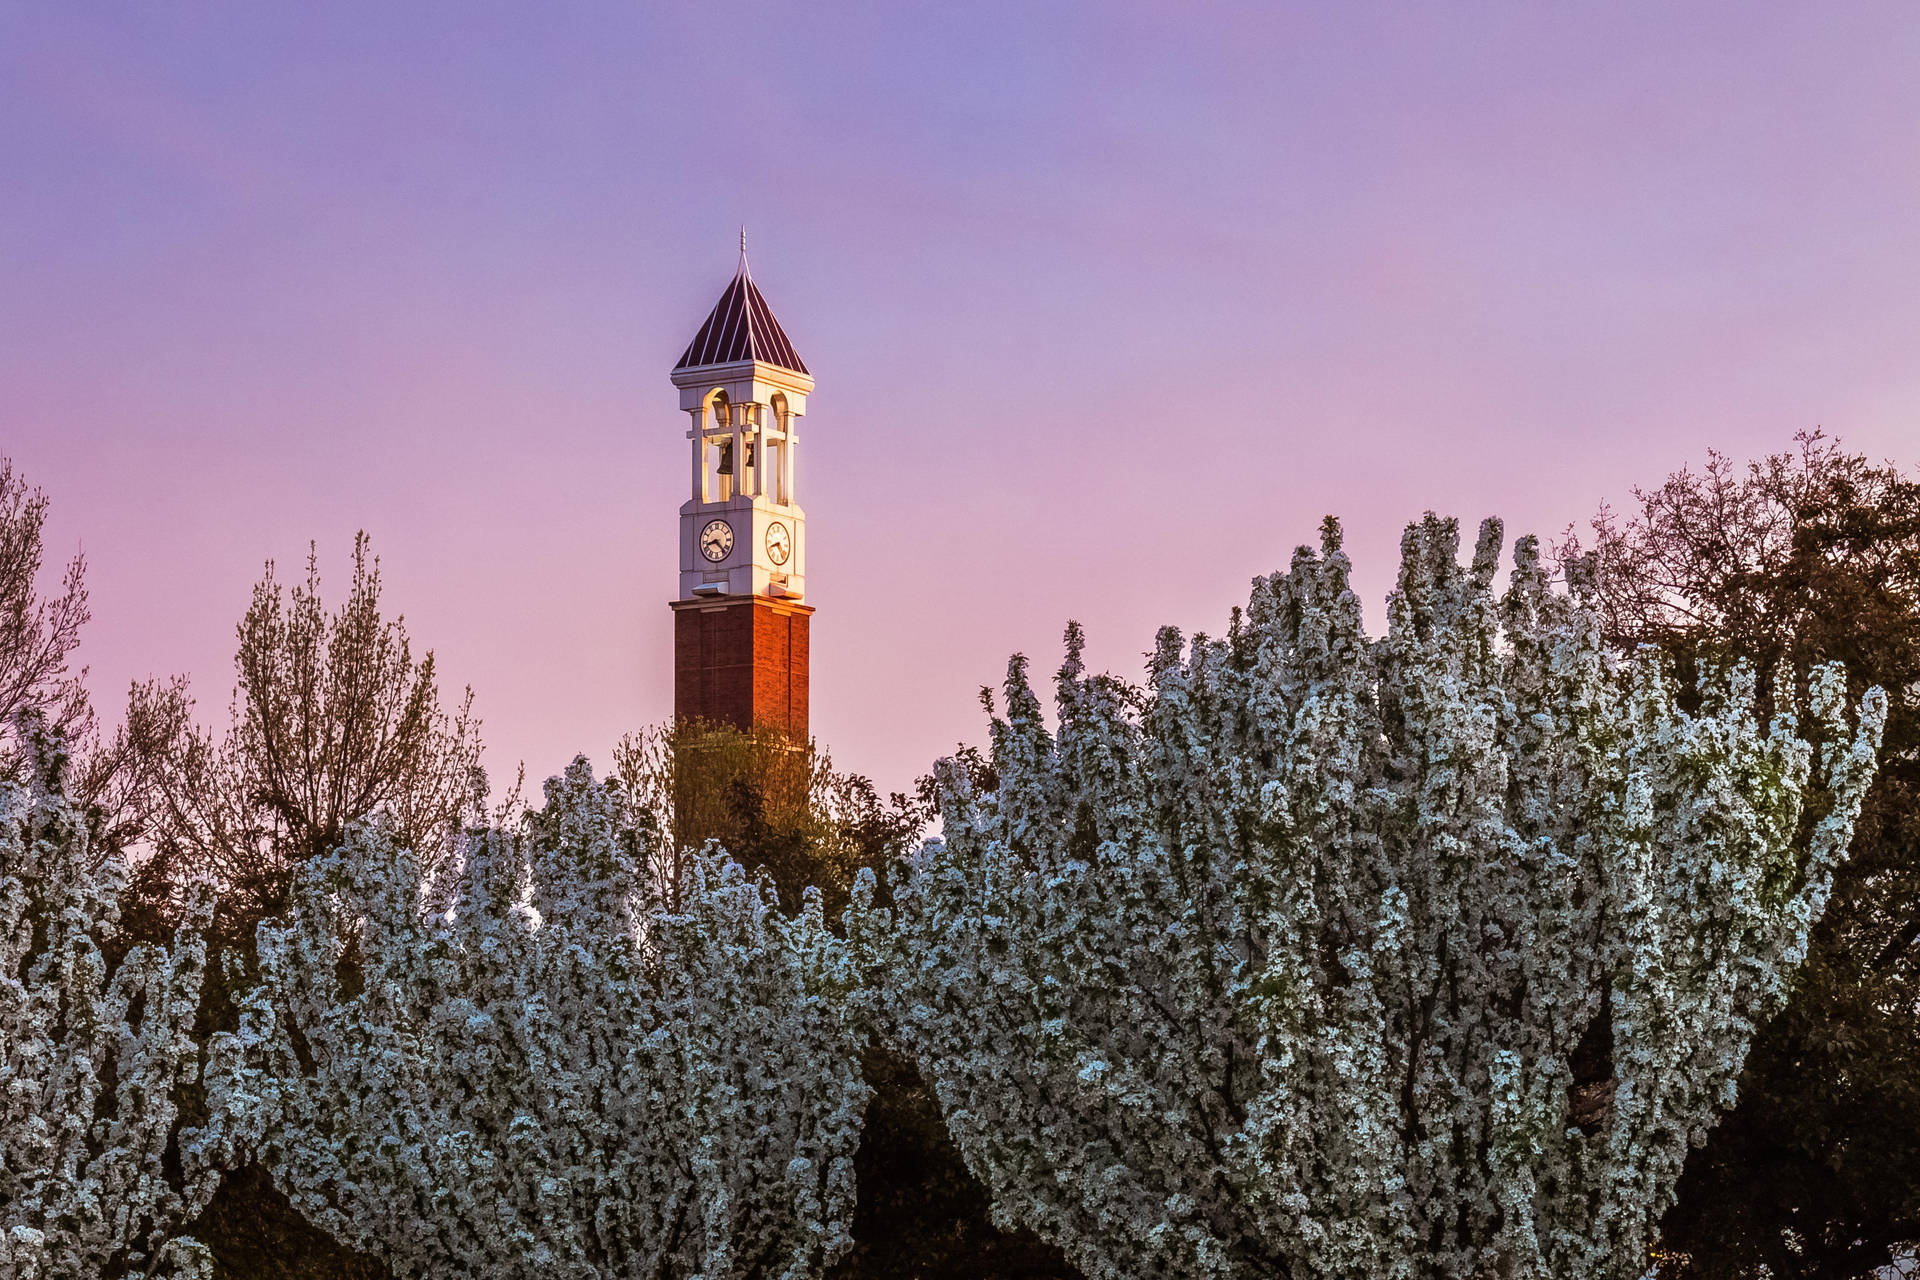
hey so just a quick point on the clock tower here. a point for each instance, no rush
(740, 622)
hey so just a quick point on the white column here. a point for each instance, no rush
(739, 478)
(699, 436)
(776, 465)
(760, 416)
(787, 451)
(781, 421)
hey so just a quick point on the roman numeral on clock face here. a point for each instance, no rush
(716, 540)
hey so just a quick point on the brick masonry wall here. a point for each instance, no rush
(742, 662)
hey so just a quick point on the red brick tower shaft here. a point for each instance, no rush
(742, 662)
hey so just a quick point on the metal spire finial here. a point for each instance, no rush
(743, 246)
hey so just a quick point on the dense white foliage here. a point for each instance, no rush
(95, 1170)
(1329, 957)
(561, 1076)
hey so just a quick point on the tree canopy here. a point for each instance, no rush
(333, 720)
(1804, 557)
(1324, 956)
(561, 1073)
(99, 1167)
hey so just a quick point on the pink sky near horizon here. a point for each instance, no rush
(1107, 304)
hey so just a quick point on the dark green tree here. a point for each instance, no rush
(773, 803)
(1806, 556)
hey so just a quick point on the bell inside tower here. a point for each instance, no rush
(744, 449)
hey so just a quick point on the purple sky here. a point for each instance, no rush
(1108, 305)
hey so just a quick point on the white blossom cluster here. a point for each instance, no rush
(96, 1171)
(1324, 956)
(558, 1074)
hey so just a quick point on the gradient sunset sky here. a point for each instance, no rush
(1108, 304)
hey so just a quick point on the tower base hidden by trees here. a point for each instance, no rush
(742, 662)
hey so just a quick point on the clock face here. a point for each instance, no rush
(716, 540)
(779, 543)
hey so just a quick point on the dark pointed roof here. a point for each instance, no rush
(741, 327)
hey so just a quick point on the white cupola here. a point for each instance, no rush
(742, 532)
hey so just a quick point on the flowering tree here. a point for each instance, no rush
(1803, 556)
(95, 1170)
(563, 1076)
(1328, 957)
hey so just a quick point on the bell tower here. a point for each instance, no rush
(740, 626)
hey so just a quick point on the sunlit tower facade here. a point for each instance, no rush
(740, 628)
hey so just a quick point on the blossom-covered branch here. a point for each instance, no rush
(565, 1076)
(1325, 956)
(96, 1172)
